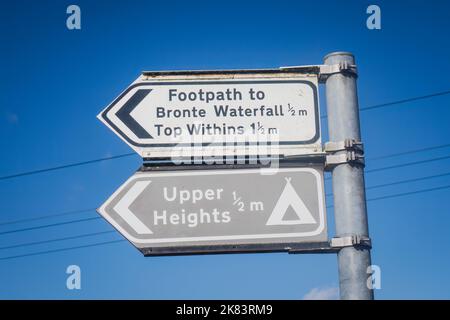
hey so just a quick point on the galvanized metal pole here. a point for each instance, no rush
(348, 181)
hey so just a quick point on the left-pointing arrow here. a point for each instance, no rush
(124, 114)
(123, 208)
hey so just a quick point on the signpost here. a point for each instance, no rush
(159, 115)
(237, 207)
(192, 211)
(349, 192)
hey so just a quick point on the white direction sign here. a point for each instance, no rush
(185, 211)
(161, 115)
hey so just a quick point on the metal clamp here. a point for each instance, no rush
(347, 144)
(325, 70)
(343, 67)
(350, 157)
(351, 241)
(354, 153)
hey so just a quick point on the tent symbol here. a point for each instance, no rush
(290, 198)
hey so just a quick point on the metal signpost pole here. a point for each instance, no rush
(215, 212)
(348, 180)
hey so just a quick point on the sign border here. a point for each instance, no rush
(105, 118)
(134, 240)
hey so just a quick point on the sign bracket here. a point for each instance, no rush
(234, 161)
(333, 154)
(351, 241)
(291, 248)
(334, 245)
(347, 144)
(324, 71)
(347, 151)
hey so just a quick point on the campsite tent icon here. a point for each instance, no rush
(290, 198)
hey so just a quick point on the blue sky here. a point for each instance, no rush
(55, 81)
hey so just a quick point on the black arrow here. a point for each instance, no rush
(124, 114)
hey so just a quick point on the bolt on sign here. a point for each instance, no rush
(189, 211)
(164, 114)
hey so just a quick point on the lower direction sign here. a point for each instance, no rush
(200, 211)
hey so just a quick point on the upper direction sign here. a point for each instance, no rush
(189, 211)
(217, 113)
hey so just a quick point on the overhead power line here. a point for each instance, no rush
(407, 164)
(407, 181)
(49, 225)
(65, 166)
(402, 101)
(71, 165)
(130, 154)
(27, 244)
(64, 213)
(402, 182)
(388, 104)
(92, 209)
(62, 249)
(122, 240)
(408, 193)
(409, 152)
(396, 195)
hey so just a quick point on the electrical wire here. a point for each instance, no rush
(388, 104)
(396, 195)
(86, 210)
(408, 193)
(64, 213)
(408, 152)
(376, 106)
(397, 102)
(122, 240)
(407, 164)
(27, 244)
(401, 182)
(61, 250)
(49, 225)
(130, 154)
(65, 166)
(402, 165)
